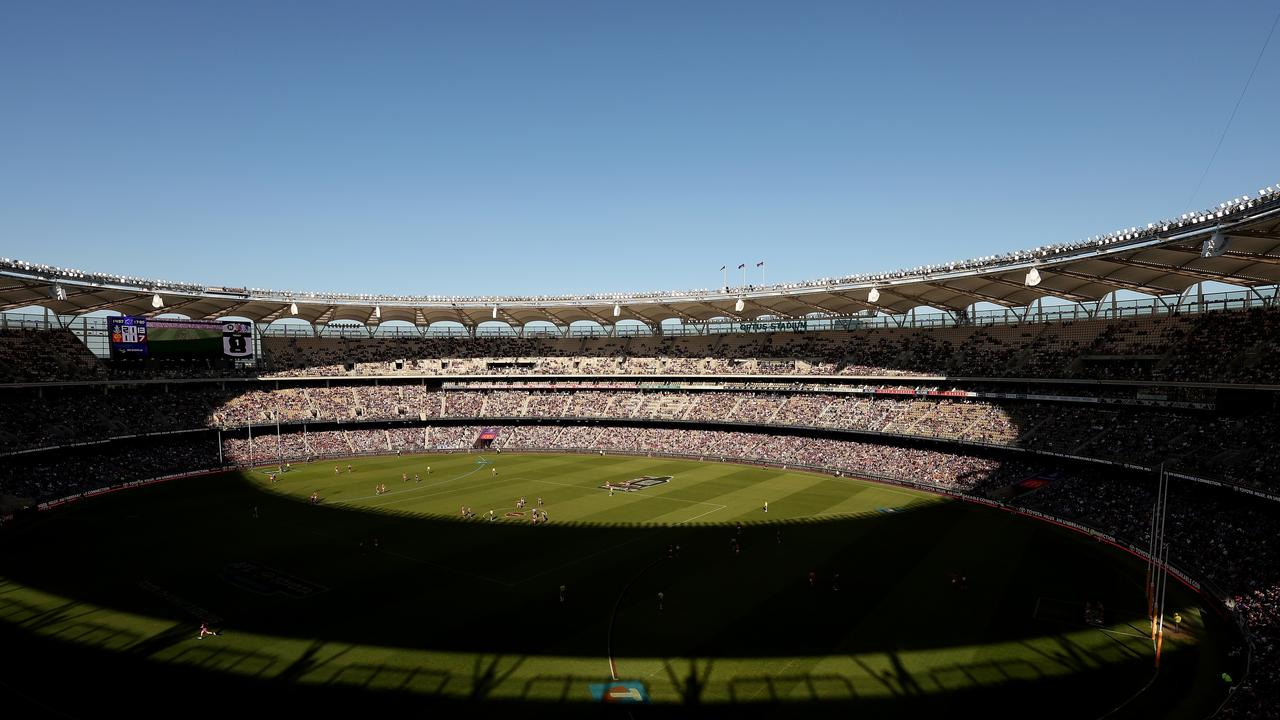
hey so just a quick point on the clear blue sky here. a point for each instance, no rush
(538, 147)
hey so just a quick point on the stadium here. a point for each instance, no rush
(807, 496)
(407, 434)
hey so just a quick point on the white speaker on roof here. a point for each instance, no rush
(1033, 277)
(873, 296)
(1216, 245)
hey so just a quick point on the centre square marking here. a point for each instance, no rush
(639, 483)
(258, 578)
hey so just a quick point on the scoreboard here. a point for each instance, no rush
(135, 338)
(128, 337)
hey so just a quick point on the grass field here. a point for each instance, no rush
(396, 599)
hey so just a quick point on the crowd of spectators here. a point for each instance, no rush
(47, 476)
(42, 355)
(1215, 346)
(1221, 346)
(1239, 449)
(952, 471)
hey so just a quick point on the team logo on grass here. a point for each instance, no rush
(639, 483)
(261, 579)
(620, 691)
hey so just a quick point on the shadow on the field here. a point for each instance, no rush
(553, 688)
(884, 690)
(417, 582)
(1067, 655)
(69, 622)
(386, 677)
(391, 577)
(979, 674)
(486, 676)
(798, 689)
(213, 656)
(692, 685)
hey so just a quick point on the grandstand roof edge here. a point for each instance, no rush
(1239, 245)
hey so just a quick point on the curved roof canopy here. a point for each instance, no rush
(1236, 243)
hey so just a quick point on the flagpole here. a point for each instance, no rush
(725, 269)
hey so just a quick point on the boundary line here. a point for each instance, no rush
(613, 616)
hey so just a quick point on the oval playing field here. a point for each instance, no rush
(422, 582)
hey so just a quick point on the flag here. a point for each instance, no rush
(722, 267)
(743, 265)
(760, 264)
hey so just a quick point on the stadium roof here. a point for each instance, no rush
(1237, 243)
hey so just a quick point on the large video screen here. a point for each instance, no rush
(167, 339)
